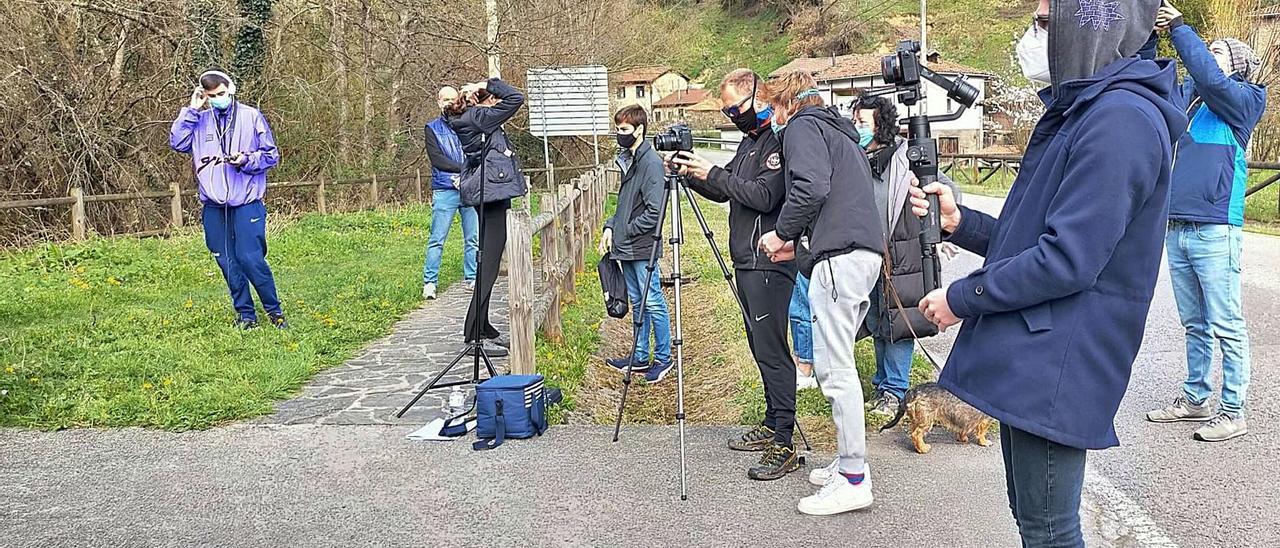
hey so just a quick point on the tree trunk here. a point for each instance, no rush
(338, 48)
(367, 85)
(397, 81)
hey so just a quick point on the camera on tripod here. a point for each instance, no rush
(677, 138)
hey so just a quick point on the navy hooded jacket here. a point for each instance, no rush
(1054, 318)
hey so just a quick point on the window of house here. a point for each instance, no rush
(682, 113)
(622, 92)
(640, 92)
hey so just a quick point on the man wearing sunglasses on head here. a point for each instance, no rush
(754, 186)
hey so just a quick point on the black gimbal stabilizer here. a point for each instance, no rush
(903, 71)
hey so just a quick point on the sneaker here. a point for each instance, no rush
(1222, 428)
(805, 382)
(469, 286)
(820, 476)
(491, 350)
(429, 291)
(622, 363)
(885, 406)
(658, 371)
(278, 321)
(776, 462)
(836, 497)
(759, 438)
(1182, 410)
(246, 323)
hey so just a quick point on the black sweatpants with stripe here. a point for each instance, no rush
(767, 298)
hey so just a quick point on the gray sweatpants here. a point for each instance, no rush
(839, 298)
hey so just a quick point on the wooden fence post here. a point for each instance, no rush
(528, 196)
(520, 292)
(417, 184)
(320, 205)
(77, 214)
(373, 192)
(175, 205)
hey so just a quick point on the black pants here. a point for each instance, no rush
(1044, 481)
(493, 224)
(767, 297)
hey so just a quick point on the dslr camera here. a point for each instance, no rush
(677, 138)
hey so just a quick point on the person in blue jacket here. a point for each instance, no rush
(1206, 215)
(1054, 318)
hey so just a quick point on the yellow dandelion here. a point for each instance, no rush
(167, 382)
(79, 270)
(113, 281)
(10, 370)
(147, 386)
(190, 303)
(35, 380)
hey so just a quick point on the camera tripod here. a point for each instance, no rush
(673, 184)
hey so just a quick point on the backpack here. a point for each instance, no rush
(509, 406)
(614, 287)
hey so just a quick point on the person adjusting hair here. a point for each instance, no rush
(1054, 318)
(232, 148)
(1206, 216)
(754, 185)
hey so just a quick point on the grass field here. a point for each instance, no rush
(127, 332)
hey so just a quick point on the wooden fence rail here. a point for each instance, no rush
(569, 217)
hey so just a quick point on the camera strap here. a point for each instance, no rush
(888, 289)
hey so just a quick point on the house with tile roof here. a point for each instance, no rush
(645, 86)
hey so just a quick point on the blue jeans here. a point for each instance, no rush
(653, 321)
(1204, 264)
(444, 203)
(801, 321)
(893, 359)
(1044, 480)
(237, 237)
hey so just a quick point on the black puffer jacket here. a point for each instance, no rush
(830, 196)
(502, 169)
(640, 199)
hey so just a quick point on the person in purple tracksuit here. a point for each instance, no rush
(232, 148)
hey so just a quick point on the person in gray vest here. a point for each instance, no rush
(444, 150)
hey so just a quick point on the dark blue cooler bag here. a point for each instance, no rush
(509, 406)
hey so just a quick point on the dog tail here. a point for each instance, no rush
(902, 410)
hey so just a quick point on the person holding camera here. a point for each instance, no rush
(894, 321)
(1206, 216)
(829, 219)
(444, 150)
(477, 116)
(629, 238)
(232, 148)
(1055, 317)
(754, 185)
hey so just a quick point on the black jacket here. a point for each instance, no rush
(503, 168)
(755, 186)
(830, 196)
(640, 199)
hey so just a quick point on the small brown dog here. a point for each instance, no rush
(928, 404)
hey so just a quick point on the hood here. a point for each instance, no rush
(829, 116)
(1155, 81)
(1087, 35)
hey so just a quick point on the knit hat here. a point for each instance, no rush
(1243, 60)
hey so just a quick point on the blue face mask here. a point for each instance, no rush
(865, 136)
(777, 127)
(221, 103)
(764, 114)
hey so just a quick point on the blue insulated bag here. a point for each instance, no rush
(509, 406)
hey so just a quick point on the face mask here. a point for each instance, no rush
(864, 135)
(220, 103)
(776, 125)
(626, 140)
(746, 121)
(1033, 55)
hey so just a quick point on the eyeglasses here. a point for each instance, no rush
(1041, 21)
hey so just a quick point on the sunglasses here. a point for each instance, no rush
(735, 110)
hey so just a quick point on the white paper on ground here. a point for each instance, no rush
(431, 432)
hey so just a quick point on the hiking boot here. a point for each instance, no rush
(776, 462)
(1182, 410)
(658, 371)
(756, 439)
(622, 363)
(429, 291)
(246, 323)
(1222, 428)
(886, 405)
(820, 476)
(278, 321)
(837, 496)
(490, 349)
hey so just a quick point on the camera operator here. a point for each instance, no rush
(1054, 318)
(829, 218)
(894, 321)
(477, 116)
(754, 185)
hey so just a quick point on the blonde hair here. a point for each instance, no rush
(741, 80)
(792, 91)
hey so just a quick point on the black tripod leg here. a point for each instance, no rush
(432, 384)
(637, 315)
(715, 250)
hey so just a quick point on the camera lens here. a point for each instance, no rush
(889, 69)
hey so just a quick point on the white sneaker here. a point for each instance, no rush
(836, 497)
(820, 476)
(805, 382)
(429, 291)
(469, 286)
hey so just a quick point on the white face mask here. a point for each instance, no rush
(1033, 55)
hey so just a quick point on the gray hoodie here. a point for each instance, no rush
(1086, 35)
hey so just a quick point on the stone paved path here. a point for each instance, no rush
(373, 386)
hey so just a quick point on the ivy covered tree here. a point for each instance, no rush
(250, 40)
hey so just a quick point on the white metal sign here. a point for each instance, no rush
(568, 101)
